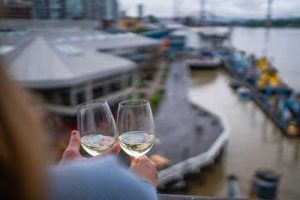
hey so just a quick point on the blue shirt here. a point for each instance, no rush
(103, 179)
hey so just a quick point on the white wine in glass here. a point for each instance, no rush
(97, 127)
(136, 127)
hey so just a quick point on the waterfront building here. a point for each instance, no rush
(142, 50)
(66, 75)
(70, 66)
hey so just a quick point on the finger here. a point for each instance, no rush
(115, 149)
(74, 142)
(133, 161)
(143, 158)
(72, 151)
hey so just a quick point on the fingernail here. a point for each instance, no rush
(73, 132)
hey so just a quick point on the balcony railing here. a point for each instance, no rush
(186, 197)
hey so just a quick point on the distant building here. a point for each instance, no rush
(74, 9)
(130, 23)
(104, 10)
(49, 9)
(122, 14)
(38, 24)
(91, 9)
(109, 10)
(57, 9)
(69, 67)
(140, 9)
(66, 75)
(41, 9)
(15, 9)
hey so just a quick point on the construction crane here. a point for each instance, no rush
(267, 31)
(202, 11)
(269, 13)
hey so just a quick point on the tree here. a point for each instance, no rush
(152, 19)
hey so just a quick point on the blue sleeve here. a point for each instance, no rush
(99, 179)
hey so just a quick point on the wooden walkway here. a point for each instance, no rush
(184, 131)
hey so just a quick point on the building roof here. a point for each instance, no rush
(192, 39)
(209, 31)
(40, 64)
(87, 39)
(116, 41)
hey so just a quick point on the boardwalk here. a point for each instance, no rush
(183, 130)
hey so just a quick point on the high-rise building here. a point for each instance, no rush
(54, 9)
(57, 9)
(109, 10)
(91, 9)
(122, 14)
(140, 10)
(15, 9)
(41, 8)
(74, 9)
(104, 10)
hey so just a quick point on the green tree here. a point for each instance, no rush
(152, 19)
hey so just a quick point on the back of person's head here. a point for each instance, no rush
(22, 145)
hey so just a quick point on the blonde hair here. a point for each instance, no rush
(22, 144)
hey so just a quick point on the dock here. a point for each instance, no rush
(256, 96)
(190, 136)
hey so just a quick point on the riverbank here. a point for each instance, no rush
(254, 141)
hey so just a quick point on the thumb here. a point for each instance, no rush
(74, 142)
(72, 151)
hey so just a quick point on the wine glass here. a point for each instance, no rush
(97, 127)
(136, 127)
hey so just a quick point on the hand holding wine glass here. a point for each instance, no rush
(97, 127)
(72, 152)
(136, 127)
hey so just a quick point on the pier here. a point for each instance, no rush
(191, 137)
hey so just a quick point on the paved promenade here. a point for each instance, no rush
(184, 131)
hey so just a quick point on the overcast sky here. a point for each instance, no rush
(225, 8)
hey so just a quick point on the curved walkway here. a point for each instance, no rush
(185, 131)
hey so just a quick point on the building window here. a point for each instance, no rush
(56, 96)
(64, 97)
(130, 80)
(115, 86)
(105, 50)
(80, 96)
(98, 92)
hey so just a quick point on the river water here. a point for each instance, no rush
(281, 46)
(254, 141)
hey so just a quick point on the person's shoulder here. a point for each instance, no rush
(103, 178)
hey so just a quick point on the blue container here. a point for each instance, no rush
(265, 184)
